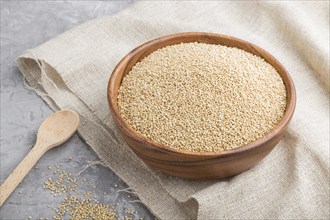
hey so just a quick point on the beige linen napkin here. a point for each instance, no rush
(72, 71)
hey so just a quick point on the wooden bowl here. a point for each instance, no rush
(197, 165)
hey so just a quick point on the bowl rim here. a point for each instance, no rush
(280, 127)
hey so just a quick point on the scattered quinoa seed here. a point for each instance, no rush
(79, 209)
(202, 97)
(86, 206)
(63, 183)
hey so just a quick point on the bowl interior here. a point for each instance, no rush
(126, 64)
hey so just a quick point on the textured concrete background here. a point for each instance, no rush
(24, 25)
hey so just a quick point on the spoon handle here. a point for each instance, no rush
(16, 177)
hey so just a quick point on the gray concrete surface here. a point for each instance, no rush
(24, 25)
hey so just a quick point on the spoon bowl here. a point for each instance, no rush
(58, 128)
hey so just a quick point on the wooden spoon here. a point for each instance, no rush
(55, 130)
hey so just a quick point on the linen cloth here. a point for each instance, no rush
(292, 182)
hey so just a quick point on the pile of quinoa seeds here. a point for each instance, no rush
(202, 97)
